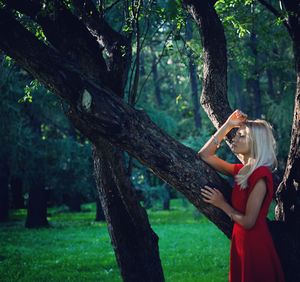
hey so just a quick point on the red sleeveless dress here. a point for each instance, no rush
(253, 257)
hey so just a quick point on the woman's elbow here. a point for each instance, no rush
(249, 224)
(203, 155)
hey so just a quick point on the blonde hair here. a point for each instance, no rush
(262, 149)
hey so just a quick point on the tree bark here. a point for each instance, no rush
(99, 210)
(214, 98)
(4, 195)
(45, 68)
(134, 242)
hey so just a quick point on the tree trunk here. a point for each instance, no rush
(134, 242)
(288, 194)
(74, 202)
(104, 115)
(166, 197)
(16, 186)
(99, 211)
(4, 195)
(286, 239)
(214, 87)
(37, 205)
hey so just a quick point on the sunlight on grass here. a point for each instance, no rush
(76, 248)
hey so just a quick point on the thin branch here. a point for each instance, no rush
(111, 6)
(276, 13)
(158, 61)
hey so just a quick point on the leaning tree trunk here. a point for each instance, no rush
(134, 242)
(80, 53)
(105, 115)
(99, 210)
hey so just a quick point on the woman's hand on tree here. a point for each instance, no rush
(212, 196)
(236, 119)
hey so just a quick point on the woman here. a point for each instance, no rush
(253, 257)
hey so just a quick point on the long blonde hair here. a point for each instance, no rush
(262, 150)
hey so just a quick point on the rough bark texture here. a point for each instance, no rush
(76, 60)
(106, 115)
(134, 241)
(215, 60)
(99, 210)
(288, 197)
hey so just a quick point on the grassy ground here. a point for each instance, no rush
(77, 248)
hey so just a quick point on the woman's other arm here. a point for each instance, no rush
(254, 203)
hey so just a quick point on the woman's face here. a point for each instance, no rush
(240, 142)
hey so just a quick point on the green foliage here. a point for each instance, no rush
(37, 140)
(164, 121)
(280, 113)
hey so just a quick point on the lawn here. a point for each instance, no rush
(76, 248)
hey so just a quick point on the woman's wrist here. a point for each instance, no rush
(228, 126)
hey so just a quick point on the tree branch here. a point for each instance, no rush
(68, 35)
(276, 13)
(107, 116)
(117, 45)
(43, 62)
(133, 131)
(214, 92)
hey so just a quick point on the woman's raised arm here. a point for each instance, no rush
(207, 152)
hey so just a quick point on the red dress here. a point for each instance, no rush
(253, 257)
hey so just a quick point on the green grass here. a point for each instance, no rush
(78, 249)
